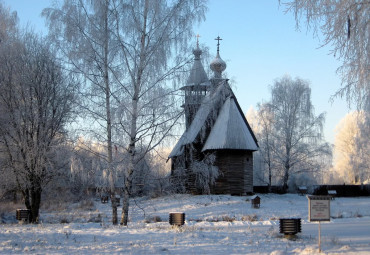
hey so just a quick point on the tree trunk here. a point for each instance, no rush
(114, 208)
(134, 116)
(131, 167)
(125, 203)
(286, 177)
(270, 177)
(32, 201)
(287, 160)
(109, 120)
(35, 204)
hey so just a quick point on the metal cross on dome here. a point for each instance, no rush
(197, 36)
(218, 43)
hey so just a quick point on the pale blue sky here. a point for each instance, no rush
(260, 43)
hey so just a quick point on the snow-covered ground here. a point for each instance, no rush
(214, 225)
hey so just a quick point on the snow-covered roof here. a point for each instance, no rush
(231, 130)
(198, 78)
(254, 197)
(197, 75)
(208, 103)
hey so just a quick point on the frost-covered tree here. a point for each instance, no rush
(205, 173)
(145, 39)
(36, 99)
(261, 121)
(362, 159)
(8, 23)
(153, 38)
(86, 169)
(296, 133)
(345, 26)
(266, 138)
(351, 162)
(82, 32)
(158, 178)
(8, 28)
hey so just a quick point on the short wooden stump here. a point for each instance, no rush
(177, 218)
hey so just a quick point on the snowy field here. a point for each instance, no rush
(214, 225)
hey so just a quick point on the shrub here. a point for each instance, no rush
(228, 218)
(252, 217)
(153, 219)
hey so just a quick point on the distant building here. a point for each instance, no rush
(217, 136)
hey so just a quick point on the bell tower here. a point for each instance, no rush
(197, 86)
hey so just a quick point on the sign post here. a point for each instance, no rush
(319, 210)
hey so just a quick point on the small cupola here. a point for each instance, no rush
(218, 65)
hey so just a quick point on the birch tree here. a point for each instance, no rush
(82, 31)
(8, 29)
(297, 131)
(350, 161)
(362, 159)
(149, 35)
(266, 138)
(8, 23)
(345, 26)
(153, 37)
(35, 101)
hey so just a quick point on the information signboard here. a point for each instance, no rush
(319, 208)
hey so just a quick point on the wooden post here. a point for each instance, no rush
(319, 236)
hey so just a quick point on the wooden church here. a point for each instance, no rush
(215, 153)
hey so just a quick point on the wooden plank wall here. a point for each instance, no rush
(248, 173)
(236, 168)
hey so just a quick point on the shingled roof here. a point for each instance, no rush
(230, 131)
(198, 78)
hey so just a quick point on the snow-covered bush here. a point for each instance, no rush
(205, 173)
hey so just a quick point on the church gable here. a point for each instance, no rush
(230, 130)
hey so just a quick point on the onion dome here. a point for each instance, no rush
(218, 65)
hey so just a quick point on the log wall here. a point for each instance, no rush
(236, 169)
